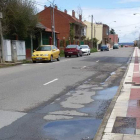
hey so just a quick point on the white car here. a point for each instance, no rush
(85, 49)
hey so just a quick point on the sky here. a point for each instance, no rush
(118, 14)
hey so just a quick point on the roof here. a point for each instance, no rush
(41, 26)
(70, 18)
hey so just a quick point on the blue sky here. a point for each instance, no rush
(106, 11)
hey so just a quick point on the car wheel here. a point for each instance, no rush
(69, 55)
(101, 50)
(58, 59)
(81, 55)
(51, 60)
(65, 55)
(78, 55)
(34, 61)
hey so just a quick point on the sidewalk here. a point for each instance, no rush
(124, 120)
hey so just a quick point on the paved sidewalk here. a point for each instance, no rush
(124, 121)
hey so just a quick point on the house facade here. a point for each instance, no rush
(68, 26)
(105, 35)
(97, 31)
(113, 38)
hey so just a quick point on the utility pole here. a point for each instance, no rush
(139, 40)
(92, 30)
(1, 35)
(53, 26)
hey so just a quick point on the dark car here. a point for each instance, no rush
(104, 48)
(73, 50)
(116, 46)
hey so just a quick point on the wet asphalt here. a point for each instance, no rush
(71, 108)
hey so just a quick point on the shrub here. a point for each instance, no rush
(92, 50)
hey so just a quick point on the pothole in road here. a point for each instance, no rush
(106, 94)
(78, 129)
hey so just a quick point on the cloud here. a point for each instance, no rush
(125, 21)
(128, 1)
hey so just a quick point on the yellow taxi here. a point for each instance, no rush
(46, 53)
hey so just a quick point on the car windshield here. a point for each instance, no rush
(104, 46)
(84, 47)
(44, 48)
(71, 46)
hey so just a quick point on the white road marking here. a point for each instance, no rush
(83, 67)
(25, 64)
(50, 82)
(97, 61)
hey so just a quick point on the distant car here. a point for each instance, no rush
(104, 48)
(73, 50)
(126, 46)
(116, 46)
(85, 49)
(46, 53)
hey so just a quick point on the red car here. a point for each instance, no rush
(73, 50)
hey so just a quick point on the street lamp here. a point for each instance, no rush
(53, 22)
(136, 27)
(1, 35)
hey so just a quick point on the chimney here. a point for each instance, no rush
(73, 13)
(45, 6)
(65, 11)
(56, 7)
(80, 17)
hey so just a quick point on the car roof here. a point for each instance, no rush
(46, 45)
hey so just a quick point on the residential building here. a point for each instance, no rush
(97, 31)
(68, 26)
(42, 36)
(100, 32)
(105, 39)
(113, 39)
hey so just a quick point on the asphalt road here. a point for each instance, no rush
(63, 100)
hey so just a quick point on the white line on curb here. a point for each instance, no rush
(50, 82)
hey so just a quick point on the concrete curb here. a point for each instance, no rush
(5, 65)
(102, 127)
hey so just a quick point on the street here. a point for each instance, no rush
(63, 100)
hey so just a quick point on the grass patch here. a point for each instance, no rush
(27, 61)
(92, 50)
(62, 54)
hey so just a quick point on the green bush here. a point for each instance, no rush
(92, 50)
(62, 53)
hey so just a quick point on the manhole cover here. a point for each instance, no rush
(124, 125)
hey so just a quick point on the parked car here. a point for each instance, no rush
(46, 53)
(105, 47)
(85, 49)
(73, 50)
(116, 46)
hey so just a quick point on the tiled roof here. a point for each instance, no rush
(41, 26)
(70, 18)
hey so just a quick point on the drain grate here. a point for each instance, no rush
(136, 84)
(130, 83)
(124, 125)
(138, 103)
